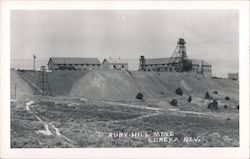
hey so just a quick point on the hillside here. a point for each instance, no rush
(124, 85)
(22, 87)
(60, 82)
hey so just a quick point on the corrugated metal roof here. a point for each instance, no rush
(74, 60)
(166, 60)
(116, 61)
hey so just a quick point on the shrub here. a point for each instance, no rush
(139, 96)
(213, 105)
(179, 91)
(215, 92)
(227, 98)
(207, 96)
(225, 106)
(173, 102)
(189, 99)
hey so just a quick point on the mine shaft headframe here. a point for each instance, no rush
(142, 64)
(182, 47)
(43, 87)
(178, 58)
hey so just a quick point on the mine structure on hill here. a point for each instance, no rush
(43, 83)
(179, 61)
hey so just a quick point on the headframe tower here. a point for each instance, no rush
(179, 60)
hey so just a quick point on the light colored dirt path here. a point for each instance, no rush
(161, 109)
(47, 131)
(128, 105)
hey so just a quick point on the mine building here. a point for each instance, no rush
(161, 65)
(233, 76)
(115, 64)
(178, 62)
(69, 63)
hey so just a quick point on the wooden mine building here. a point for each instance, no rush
(161, 64)
(69, 63)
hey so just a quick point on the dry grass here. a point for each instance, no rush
(88, 124)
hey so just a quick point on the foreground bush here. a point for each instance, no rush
(173, 102)
(179, 91)
(139, 96)
(215, 92)
(189, 99)
(213, 105)
(207, 96)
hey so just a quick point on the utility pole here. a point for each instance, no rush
(202, 67)
(34, 62)
(15, 91)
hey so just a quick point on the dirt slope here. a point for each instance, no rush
(164, 84)
(122, 85)
(108, 84)
(60, 82)
(22, 87)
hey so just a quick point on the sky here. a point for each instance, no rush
(211, 35)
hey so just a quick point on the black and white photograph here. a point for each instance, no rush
(130, 78)
(124, 78)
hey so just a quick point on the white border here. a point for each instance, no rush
(224, 153)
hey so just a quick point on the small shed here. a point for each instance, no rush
(233, 76)
(115, 64)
